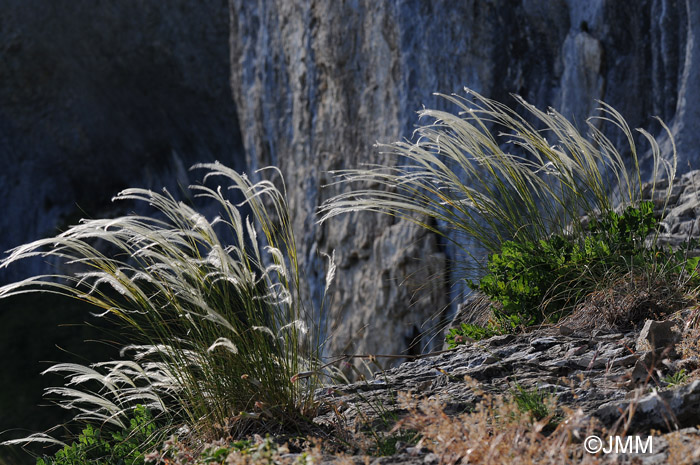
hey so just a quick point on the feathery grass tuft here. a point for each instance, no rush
(489, 173)
(215, 333)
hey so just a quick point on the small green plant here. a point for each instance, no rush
(375, 421)
(466, 332)
(532, 401)
(541, 282)
(218, 453)
(676, 379)
(375, 427)
(98, 446)
(387, 444)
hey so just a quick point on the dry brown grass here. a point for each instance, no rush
(498, 432)
(681, 451)
(689, 346)
(627, 301)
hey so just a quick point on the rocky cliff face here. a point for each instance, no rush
(317, 83)
(96, 97)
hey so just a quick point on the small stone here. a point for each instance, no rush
(501, 340)
(641, 373)
(576, 351)
(625, 361)
(565, 330)
(543, 343)
(658, 335)
(688, 364)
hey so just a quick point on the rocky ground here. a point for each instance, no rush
(621, 381)
(625, 379)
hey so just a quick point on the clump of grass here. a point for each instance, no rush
(532, 401)
(489, 173)
(521, 186)
(216, 334)
(624, 300)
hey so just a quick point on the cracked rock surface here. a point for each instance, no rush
(601, 373)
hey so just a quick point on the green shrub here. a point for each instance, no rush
(541, 282)
(95, 446)
(466, 331)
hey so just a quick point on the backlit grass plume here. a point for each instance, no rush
(489, 173)
(215, 332)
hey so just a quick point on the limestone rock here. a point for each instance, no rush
(662, 411)
(317, 83)
(588, 373)
(657, 336)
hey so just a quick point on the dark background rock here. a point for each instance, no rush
(318, 83)
(100, 96)
(95, 96)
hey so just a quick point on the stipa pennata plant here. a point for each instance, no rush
(489, 173)
(217, 335)
(506, 178)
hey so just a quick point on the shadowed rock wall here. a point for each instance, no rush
(99, 96)
(317, 83)
(95, 96)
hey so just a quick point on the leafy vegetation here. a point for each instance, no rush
(541, 282)
(466, 332)
(676, 379)
(538, 282)
(95, 446)
(532, 401)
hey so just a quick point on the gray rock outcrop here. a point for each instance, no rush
(591, 376)
(317, 83)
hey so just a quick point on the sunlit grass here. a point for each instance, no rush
(216, 335)
(494, 174)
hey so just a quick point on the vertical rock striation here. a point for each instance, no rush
(318, 82)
